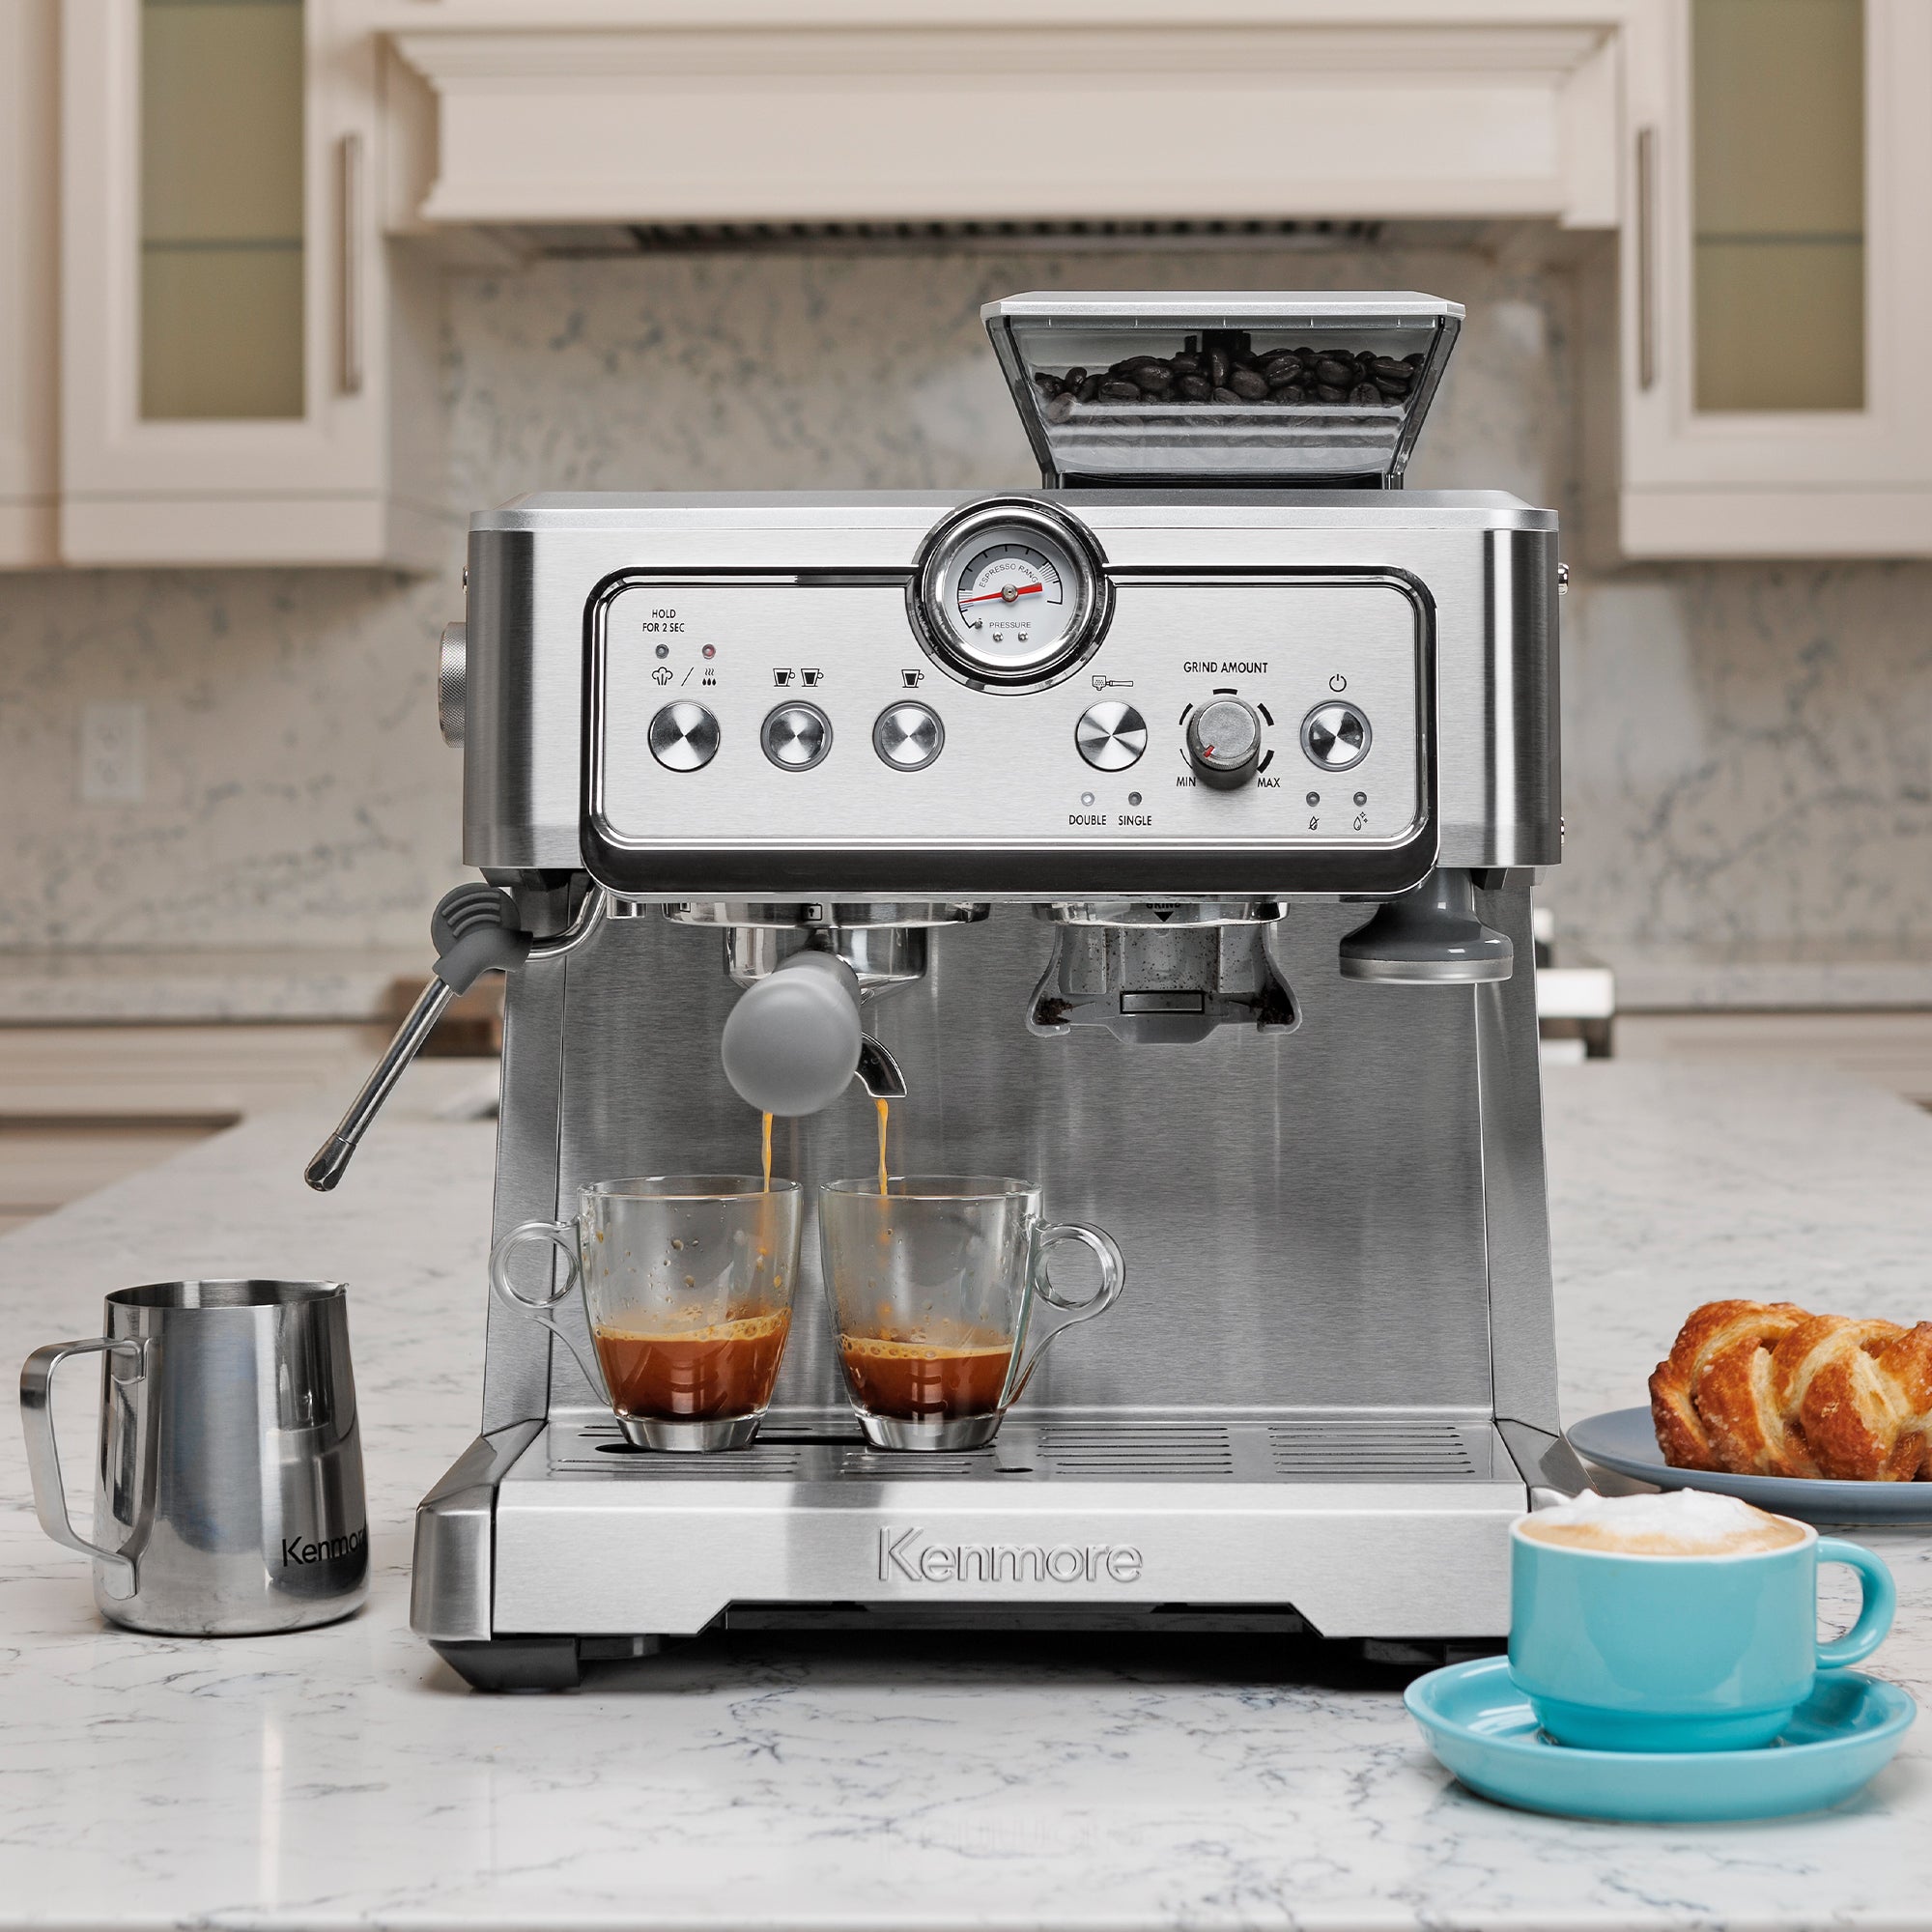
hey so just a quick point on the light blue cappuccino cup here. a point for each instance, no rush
(1681, 1653)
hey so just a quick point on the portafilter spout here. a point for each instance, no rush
(474, 931)
(794, 1041)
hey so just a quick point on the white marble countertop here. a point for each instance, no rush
(342, 1778)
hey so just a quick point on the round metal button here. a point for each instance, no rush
(1110, 736)
(1335, 737)
(908, 736)
(684, 736)
(796, 737)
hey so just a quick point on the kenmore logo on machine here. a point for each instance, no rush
(906, 1554)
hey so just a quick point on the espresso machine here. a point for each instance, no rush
(1175, 821)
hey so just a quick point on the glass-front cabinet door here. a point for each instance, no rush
(225, 298)
(224, 239)
(1777, 262)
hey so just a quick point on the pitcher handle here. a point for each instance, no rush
(1040, 1285)
(540, 1309)
(37, 1422)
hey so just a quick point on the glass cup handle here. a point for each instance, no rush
(542, 1309)
(1879, 1596)
(37, 1422)
(1039, 1284)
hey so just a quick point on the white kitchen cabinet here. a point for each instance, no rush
(1776, 267)
(246, 366)
(29, 271)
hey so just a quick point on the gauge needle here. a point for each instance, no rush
(1008, 593)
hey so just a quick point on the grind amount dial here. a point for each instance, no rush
(1224, 742)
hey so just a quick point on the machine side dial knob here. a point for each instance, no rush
(1224, 742)
(1335, 737)
(452, 682)
(684, 736)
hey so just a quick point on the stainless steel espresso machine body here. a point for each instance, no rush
(1177, 820)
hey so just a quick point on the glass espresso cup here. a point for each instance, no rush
(942, 1301)
(687, 1282)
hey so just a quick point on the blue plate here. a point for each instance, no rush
(1626, 1441)
(1481, 1726)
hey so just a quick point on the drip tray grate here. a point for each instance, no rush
(1337, 1451)
(1349, 1448)
(1137, 1452)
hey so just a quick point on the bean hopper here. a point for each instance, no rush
(1176, 821)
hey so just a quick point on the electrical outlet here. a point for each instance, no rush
(114, 754)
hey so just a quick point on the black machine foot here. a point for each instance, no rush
(539, 1662)
(516, 1663)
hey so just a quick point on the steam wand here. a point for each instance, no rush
(475, 932)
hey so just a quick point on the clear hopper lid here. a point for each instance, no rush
(1267, 391)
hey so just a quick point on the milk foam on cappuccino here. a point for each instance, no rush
(1683, 1523)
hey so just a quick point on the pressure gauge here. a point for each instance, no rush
(1009, 595)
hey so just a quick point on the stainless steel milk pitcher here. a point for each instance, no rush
(229, 1494)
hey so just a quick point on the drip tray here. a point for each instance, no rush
(1354, 1447)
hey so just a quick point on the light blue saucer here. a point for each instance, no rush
(1481, 1726)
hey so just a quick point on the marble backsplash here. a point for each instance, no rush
(1745, 752)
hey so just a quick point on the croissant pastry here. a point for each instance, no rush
(1766, 1388)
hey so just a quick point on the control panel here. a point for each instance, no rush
(1011, 697)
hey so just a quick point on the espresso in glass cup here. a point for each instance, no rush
(687, 1284)
(942, 1301)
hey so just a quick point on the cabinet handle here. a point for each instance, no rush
(1646, 257)
(348, 280)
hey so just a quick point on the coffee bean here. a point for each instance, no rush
(1234, 375)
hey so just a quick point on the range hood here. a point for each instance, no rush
(839, 112)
